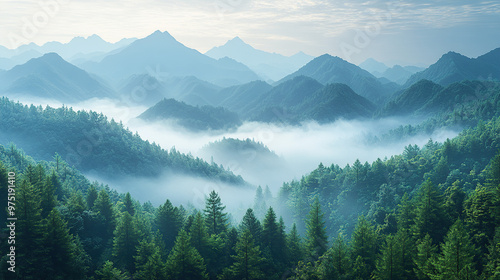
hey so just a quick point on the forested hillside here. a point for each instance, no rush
(91, 142)
(431, 213)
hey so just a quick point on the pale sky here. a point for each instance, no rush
(408, 32)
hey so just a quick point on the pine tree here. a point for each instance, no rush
(125, 241)
(184, 262)
(480, 218)
(425, 258)
(388, 267)
(169, 222)
(406, 249)
(335, 263)
(364, 248)
(148, 262)
(406, 213)
(129, 204)
(430, 216)
(316, 238)
(109, 272)
(215, 217)
(251, 223)
(259, 203)
(61, 260)
(457, 256)
(492, 268)
(29, 231)
(47, 195)
(104, 207)
(91, 196)
(199, 236)
(294, 247)
(247, 260)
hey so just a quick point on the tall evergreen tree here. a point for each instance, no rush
(425, 258)
(294, 247)
(216, 219)
(430, 216)
(335, 263)
(184, 262)
(492, 268)
(29, 231)
(316, 238)
(168, 221)
(457, 257)
(91, 196)
(104, 207)
(388, 267)
(109, 272)
(251, 223)
(364, 248)
(259, 204)
(125, 241)
(129, 204)
(61, 260)
(199, 236)
(148, 262)
(247, 260)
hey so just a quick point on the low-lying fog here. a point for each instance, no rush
(302, 148)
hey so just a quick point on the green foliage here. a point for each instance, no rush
(125, 240)
(184, 262)
(109, 272)
(425, 258)
(364, 248)
(247, 260)
(335, 264)
(168, 221)
(215, 218)
(457, 257)
(316, 238)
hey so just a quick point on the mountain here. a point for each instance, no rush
(373, 66)
(453, 67)
(190, 117)
(399, 74)
(326, 104)
(426, 98)
(241, 98)
(77, 45)
(8, 63)
(149, 90)
(52, 77)
(270, 66)
(161, 54)
(328, 69)
(90, 142)
(276, 104)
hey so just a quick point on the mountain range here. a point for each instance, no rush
(453, 67)
(52, 77)
(162, 55)
(269, 66)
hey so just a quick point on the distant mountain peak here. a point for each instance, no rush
(236, 40)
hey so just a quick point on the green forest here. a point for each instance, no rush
(432, 212)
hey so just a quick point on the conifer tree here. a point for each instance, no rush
(364, 248)
(47, 195)
(91, 196)
(168, 222)
(492, 268)
(335, 263)
(247, 260)
(129, 204)
(294, 247)
(457, 256)
(125, 241)
(215, 217)
(388, 266)
(148, 262)
(184, 262)
(251, 223)
(259, 203)
(109, 272)
(104, 207)
(29, 231)
(199, 236)
(425, 258)
(61, 260)
(316, 238)
(430, 216)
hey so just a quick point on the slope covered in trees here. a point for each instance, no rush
(89, 141)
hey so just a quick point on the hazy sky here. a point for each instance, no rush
(411, 31)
